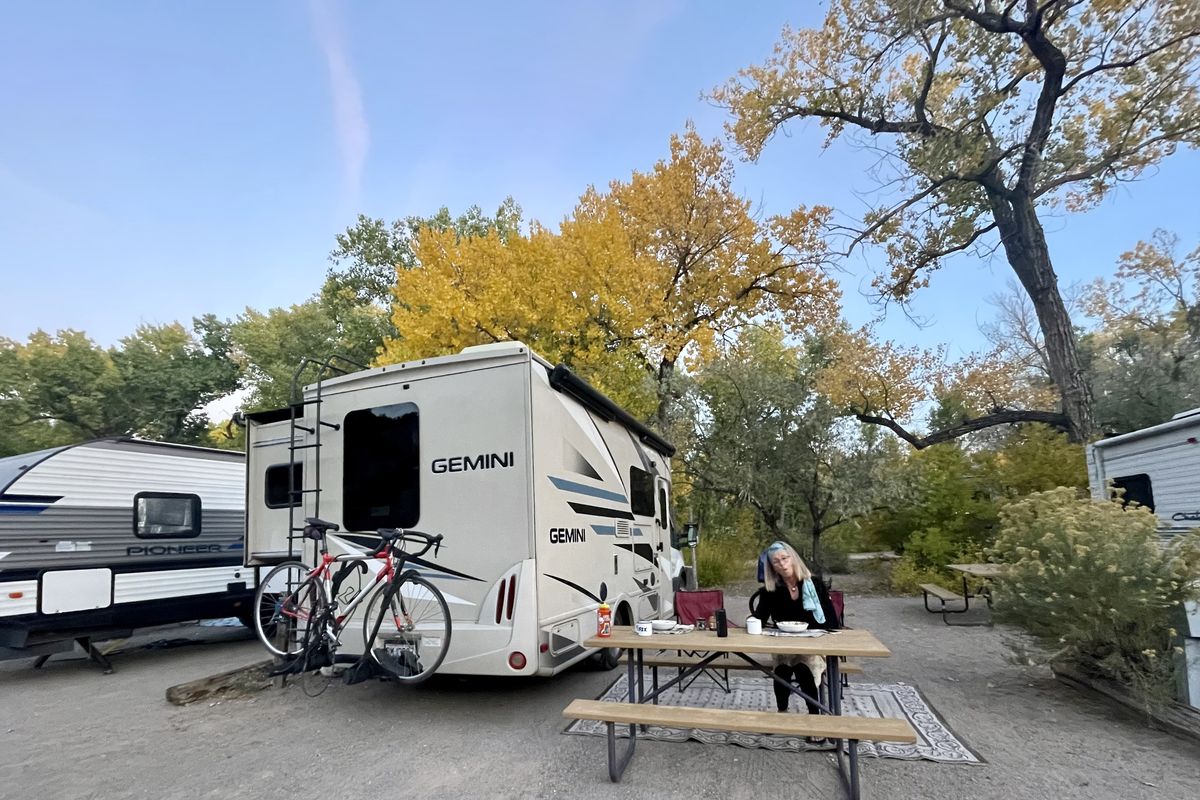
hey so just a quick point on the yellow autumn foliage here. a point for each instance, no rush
(640, 279)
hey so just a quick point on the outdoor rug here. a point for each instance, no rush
(935, 741)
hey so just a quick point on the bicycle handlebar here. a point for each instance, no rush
(391, 535)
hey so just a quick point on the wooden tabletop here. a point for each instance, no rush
(978, 570)
(849, 642)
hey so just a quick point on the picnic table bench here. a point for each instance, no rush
(982, 572)
(738, 647)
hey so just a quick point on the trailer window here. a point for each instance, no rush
(277, 492)
(641, 492)
(663, 519)
(157, 515)
(1137, 490)
(381, 471)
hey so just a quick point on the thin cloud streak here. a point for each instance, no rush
(349, 116)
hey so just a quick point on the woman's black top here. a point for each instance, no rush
(779, 605)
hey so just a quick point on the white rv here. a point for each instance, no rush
(550, 497)
(1159, 467)
(115, 534)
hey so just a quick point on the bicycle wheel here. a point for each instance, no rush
(407, 629)
(286, 597)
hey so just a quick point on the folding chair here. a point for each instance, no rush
(692, 606)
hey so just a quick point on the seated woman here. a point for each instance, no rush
(792, 595)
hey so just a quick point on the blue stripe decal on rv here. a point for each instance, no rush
(21, 511)
(611, 530)
(591, 491)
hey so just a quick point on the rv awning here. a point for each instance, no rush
(563, 380)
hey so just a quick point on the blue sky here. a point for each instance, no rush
(163, 160)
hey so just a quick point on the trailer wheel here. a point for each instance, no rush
(610, 657)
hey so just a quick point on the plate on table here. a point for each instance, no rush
(663, 625)
(792, 627)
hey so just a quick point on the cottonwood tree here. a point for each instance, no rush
(63, 388)
(986, 114)
(647, 274)
(768, 439)
(1144, 354)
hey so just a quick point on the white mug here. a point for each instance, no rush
(753, 625)
(644, 628)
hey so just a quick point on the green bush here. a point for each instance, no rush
(925, 556)
(1092, 585)
(725, 559)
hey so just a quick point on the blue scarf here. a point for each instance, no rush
(811, 602)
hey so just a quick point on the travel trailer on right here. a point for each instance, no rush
(1159, 467)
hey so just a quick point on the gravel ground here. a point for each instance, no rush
(69, 731)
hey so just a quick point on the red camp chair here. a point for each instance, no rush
(690, 608)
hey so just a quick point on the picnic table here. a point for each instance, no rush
(983, 573)
(642, 710)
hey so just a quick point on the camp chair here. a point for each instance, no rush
(701, 604)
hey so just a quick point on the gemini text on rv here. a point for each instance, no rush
(468, 463)
(565, 535)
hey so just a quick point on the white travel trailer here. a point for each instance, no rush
(110, 535)
(1159, 467)
(550, 497)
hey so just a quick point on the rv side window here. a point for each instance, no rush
(157, 515)
(1137, 490)
(641, 492)
(277, 493)
(663, 520)
(381, 468)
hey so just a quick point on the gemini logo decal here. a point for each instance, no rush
(567, 535)
(470, 463)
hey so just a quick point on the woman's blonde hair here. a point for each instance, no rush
(770, 578)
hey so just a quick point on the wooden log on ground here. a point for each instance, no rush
(234, 683)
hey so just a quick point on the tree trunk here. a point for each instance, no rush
(662, 416)
(1025, 245)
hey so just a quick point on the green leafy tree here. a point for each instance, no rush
(369, 253)
(1143, 356)
(986, 115)
(768, 440)
(63, 388)
(272, 345)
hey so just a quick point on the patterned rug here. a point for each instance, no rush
(935, 741)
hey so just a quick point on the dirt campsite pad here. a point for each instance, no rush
(69, 731)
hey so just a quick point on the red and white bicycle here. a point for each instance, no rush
(406, 625)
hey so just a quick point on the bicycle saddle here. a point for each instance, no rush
(316, 528)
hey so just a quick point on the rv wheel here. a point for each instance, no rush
(610, 657)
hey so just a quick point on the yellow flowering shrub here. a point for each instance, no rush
(1090, 581)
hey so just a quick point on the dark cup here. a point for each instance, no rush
(722, 624)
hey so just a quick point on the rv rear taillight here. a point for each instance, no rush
(16, 595)
(500, 601)
(516, 660)
(545, 648)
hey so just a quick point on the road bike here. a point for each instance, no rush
(300, 615)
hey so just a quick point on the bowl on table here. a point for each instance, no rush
(663, 625)
(792, 627)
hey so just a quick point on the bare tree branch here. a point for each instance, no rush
(1054, 419)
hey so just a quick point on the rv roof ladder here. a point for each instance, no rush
(299, 415)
